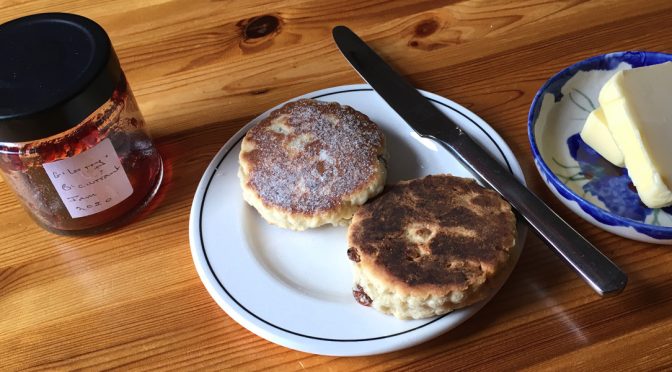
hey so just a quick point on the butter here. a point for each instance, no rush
(597, 135)
(637, 104)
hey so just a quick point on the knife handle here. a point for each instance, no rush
(596, 269)
(593, 267)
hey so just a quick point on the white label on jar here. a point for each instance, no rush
(90, 182)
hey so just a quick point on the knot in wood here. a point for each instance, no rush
(426, 28)
(258, 27)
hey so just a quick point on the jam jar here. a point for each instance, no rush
(73, 143)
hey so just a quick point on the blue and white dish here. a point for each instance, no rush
(589, 185)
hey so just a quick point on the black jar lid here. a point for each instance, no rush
(55, 70)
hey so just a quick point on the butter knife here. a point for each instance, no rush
(591, 265)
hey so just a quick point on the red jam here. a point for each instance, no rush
(120, 121)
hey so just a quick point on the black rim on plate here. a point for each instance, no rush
(223, 287)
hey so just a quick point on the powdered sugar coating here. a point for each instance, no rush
(311, 156)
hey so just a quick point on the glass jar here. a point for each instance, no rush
(73, 143)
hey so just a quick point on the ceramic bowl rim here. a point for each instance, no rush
(550, 177)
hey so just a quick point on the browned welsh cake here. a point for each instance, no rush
(428, 246)
(312, 163)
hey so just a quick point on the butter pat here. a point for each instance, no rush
(597, 135)
(637, 105)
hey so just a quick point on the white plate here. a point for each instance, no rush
(294, 288)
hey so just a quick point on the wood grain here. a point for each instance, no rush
(132, 299)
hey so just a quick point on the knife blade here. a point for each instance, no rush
(587, 261)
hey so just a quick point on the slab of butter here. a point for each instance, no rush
(637, 104)
(597, 135)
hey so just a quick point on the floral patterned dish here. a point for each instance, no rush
(589, 185)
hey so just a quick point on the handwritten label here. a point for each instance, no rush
(90, 182)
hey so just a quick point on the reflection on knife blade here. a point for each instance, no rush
(595, 268)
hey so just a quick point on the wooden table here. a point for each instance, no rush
(202, 69)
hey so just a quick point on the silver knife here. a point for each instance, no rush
(595, 268)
